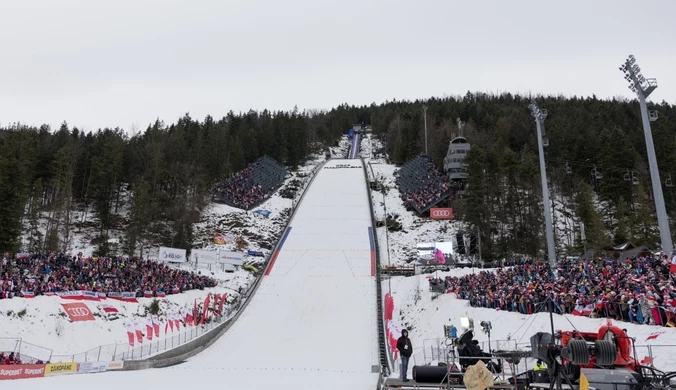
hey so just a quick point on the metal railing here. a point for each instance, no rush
(383, 352)
(118, 352)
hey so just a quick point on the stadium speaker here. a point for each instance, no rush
(461, 243)
(436, 374)
(472, 244)
(541, 345)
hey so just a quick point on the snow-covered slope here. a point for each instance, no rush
(312, 320)
(425, 318)
(43, 331)
(415, 229)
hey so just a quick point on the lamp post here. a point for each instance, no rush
(540, 116)
(643, 87)
(424, 107)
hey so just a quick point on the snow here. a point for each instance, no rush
(415, 229)
(312, 320)
(425, 317)
(45, 334)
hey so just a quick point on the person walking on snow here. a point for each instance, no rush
(405, 349)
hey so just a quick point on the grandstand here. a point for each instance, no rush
(251, 186)
(421, 185)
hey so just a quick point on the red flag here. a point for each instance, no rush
(109, 309)
(217, 300)
(220, 306)
(205, 312)
(194, 313)
(149, 329)
(177, 324)
(672, 268)
(130, 334)
(156, 325)
(166, 328)
(170, 322)
(139, 333)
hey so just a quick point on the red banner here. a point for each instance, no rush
(205, 312)
(23, 371)
(78, 312)
(441, 213)
(220, 305)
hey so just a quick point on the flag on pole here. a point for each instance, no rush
(156, 325)
(149, 329)
(139, 332)
(130, 334)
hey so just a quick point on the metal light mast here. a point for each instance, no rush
(643, 87)
(424, 107)
(540, 116)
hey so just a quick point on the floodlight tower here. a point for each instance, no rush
(643, 87)
(540, 116)
(424, 107)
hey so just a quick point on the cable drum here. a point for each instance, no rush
(606, 353)
(578, 352)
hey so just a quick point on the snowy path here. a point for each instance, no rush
(312, 322)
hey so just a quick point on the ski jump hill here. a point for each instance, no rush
(312, 321)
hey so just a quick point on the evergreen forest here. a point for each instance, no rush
(596, 165)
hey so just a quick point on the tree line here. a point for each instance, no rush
(596, 165)
(152, 184)
(162, 175)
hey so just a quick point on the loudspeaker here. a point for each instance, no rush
(434, 374)
(461, 243)
(472, 244)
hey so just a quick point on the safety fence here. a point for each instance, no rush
(384, 354)
(119, 352)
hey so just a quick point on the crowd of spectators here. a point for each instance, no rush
(44, 273)
(421, 185)
(10, 358)
(640, 290)
(251, 186)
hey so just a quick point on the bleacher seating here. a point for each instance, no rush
(251, 186)
(421, 185)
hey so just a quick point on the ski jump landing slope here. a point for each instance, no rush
(312, 322)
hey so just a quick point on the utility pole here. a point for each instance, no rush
(424, 107)
(643, 87)
(540, 116)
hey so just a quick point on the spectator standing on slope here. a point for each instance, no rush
(405, 349)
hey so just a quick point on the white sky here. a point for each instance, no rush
(124, 63)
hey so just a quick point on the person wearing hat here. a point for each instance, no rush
(539, 366)
(405, 349)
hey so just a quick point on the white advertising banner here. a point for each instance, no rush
(172, 255)
(201, 256)
(234, 258)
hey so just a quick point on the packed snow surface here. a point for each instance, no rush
(425, 313)
(310, 324)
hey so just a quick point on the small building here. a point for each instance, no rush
(453, 162)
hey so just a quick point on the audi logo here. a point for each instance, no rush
(78, 312)
(441, 213)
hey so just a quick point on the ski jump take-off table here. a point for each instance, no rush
(312, 322)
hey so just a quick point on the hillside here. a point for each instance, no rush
(162, 175)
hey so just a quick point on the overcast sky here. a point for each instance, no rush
(124, 63)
